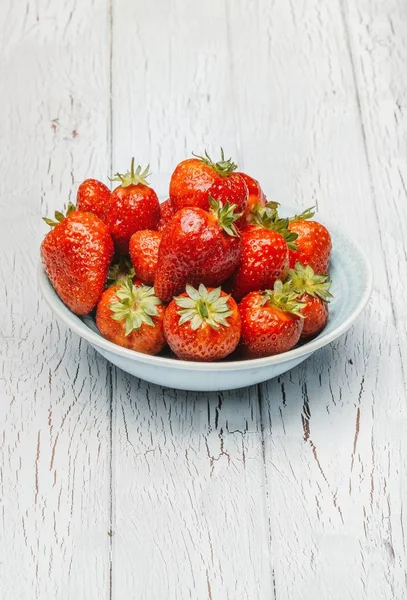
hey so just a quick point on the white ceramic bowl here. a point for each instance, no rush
(351, 286)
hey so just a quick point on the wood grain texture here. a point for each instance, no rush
(190, 518)
(114, 488)
(54, 404)
(173, 90)
(334, 476)
(378, 43)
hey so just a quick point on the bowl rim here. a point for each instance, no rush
(75, 323)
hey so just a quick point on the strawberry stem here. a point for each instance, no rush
(132, 177)
(135, 305)
(59, 216)
(120, 268)
(200, 306)
(304, 281)
(267, 217)
(226, 215)
(223, 167)
(284, 298)
(308, 213)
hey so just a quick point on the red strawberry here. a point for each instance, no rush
(271, 321)
(76, 254)
(315, 315)
(202, 324)
(143, 250)
(93, 196)
(256, 196)
(132, 316)
(195, 179)
(313, 291)
(133, 205)
(197, 247)
(167, 212)
(265, 246)
(313, 243)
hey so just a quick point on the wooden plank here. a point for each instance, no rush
(189, 495)
(378, 48)
(379, 52)
(172, 84)
(334, 476)
(54, 395)
(188, 470)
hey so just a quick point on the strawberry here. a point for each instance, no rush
(132, 316)
(197, 246)
(133, 205)
(76, 254)
(313, 291)
(265, 247)
(256, 196)
(202, 324)
(196, 179)
(313, 243)
(143, 250)
(93, 196)
(271, 321)
(315, 315)
(167, 212)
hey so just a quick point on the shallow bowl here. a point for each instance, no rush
(351, 286)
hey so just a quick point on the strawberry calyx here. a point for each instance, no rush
(271, 205)
(120, 268)
(304, 281)
(135, 305)
(226, 215)
(133, 177)
(308, 213)
(223, 167)
(267, 217)
(59, 216)
(283, 297)
(200, 306)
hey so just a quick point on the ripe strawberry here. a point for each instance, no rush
(132, 316)
(271, 321)
(314, 243)
(196, 179)
(76, 254)
(202, 324)
(197, 247)
(265, 247)
(93, 196)
(143, 250)
(167, 212)
(133, 205)
(256, 196)
(313, 291)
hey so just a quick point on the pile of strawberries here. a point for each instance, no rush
(211, 270)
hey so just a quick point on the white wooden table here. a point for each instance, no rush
(111, 488)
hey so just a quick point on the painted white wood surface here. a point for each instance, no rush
(55, 391)
(114, 488)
